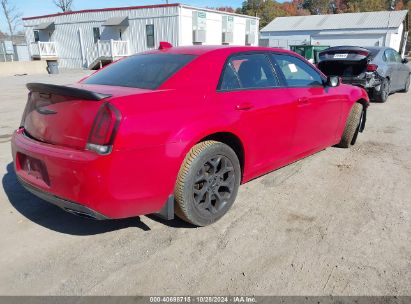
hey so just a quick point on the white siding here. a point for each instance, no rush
(186, 29)
(284, 40)
(360, 37)
(171, 23)
(239, 31)
(349, 39)
(214, 27)
(394, 38)
(165, 20)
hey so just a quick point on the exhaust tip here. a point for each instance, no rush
(80, 214)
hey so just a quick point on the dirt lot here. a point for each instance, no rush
(337, 223)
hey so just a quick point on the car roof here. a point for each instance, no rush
(204, 49)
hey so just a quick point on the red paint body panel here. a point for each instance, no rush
(158, 127)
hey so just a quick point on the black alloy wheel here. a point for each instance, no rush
(207, 183)
(214, 185)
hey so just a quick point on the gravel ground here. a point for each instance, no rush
(335, 223)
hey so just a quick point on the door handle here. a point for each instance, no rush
(303, 100)
(244, 106)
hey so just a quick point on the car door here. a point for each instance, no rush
(402, 70)
(318, 107)
(393, 70)
(264, 112)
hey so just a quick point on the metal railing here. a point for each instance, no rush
(107, 50)
(112, 48)
(43, 49)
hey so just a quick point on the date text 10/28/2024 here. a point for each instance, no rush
(203, 299)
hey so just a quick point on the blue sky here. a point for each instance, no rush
(42, 7)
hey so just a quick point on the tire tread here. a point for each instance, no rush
(351, 126)
(195, 151)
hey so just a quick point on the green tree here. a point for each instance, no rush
(269, 9)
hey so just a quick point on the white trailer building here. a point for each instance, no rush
(85, 39)
(385, 28)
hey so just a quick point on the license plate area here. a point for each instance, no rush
(340, 56)
(34, 168)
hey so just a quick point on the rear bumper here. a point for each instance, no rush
(119, 185)
(66, 205)
(366, 80)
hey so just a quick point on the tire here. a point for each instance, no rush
(352, 127)
(407, 85)
(382, 94)
(207, 183)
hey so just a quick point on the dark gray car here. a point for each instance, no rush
(379, 70)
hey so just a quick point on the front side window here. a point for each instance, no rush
(248, 71)
(296, 72)
(141, 71)
(397, 57)
(150, 35)
(390, 56)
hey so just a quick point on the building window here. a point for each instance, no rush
(96, 34)
(36, 36)
(150, 35)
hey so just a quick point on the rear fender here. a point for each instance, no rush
(195, 132)
(384, 73)
(192, 134)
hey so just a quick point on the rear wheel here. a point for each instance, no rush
(207, 183)
(352, 127)
(407, 85)
(382, 94)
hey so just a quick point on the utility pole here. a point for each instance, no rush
(333, 7)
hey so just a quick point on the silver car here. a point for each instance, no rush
(379, 70)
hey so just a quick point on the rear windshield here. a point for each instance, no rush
(141, 71)
(374, 53)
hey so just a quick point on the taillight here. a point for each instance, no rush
(372, 67)
(104, 129)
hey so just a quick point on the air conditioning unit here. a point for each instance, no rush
(199, 36)
(228, 37)
(249, 39)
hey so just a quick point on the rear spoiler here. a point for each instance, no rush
(352, 50)
(345, 48)
(66, 91)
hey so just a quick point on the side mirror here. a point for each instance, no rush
(333, 81)
(405, 60)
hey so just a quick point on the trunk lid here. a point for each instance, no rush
(64, 115)
(346, 62)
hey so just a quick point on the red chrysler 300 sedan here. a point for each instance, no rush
(177, 130)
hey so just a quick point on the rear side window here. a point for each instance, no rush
(141, 71)
(296, 72)
(248, 71)
(230, 80)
